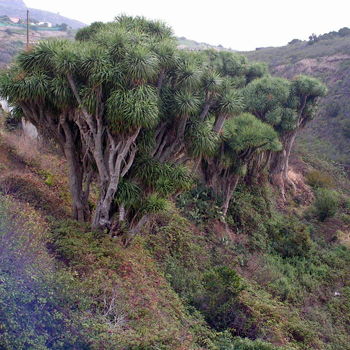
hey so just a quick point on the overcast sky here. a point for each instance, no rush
(240, 25)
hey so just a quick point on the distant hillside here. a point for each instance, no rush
(192, 45)
(13, 39)
(17, 8)
(326, 57)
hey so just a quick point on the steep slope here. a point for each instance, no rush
(268, 280)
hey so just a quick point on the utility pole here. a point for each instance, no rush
(27, 29)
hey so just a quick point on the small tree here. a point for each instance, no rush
(288, 106)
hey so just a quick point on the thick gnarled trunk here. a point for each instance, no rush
(280, 164)
(67, 136)
(79, 195)
(228, 193)
(119, 158)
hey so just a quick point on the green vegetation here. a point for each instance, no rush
(326, 59)
(191, 246)
(130, 106)
(267, 280)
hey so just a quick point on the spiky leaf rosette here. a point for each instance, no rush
(141, 64)
(189, 74)
(62, 93)
(166, 53)
(201, 139)
(43, 56)
(185, 103)
(212, 81)
(94, 61)
(246, 131)
(18, 86)
(265, 94)
(231, 103)
(155, 204)
(162, 177)
(182, 178)
(130, 109)
(305, 85)
(128, 193)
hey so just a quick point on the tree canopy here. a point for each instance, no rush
(125, 106)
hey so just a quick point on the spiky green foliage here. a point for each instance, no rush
(155, 204)
(247, 132)
(155, 174)
(185, 103)
(266, 94)
(202, 140)
(133, 108)
(128, 193)
(231, 103)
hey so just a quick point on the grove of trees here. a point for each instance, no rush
(144, 119)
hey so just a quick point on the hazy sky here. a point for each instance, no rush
(241, 25)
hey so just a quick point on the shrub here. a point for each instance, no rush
(290, 238)
(317, 179)
(326, 204)
(200, 204)
(345, 218)
(219, 297)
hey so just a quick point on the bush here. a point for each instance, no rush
(219, 297)
(345, 218)
(290, 238)
(316, 179)
(200, 205)
(326, 204)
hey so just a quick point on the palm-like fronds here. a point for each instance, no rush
(308, 86)
(41, 57)
(188, 75)
(66, 61)
(94, 61)
(17, 86)
(141, 64)
(62, 96)
(129, 109)
(274, 116)
(212, 81)
(162, 177)
(165, 52)
(202, 140)
(262, 95)
(246, 131)
(182, 178)
(128, 193)
(149, 170)
(159, 29)
(185, 103)
(164, 186)
(231, 103)
(155, 204)
(289, 120)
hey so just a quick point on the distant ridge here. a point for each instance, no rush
(17, 8)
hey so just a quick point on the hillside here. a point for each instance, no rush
(181, 239)
(169, 288)
(18, 8)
